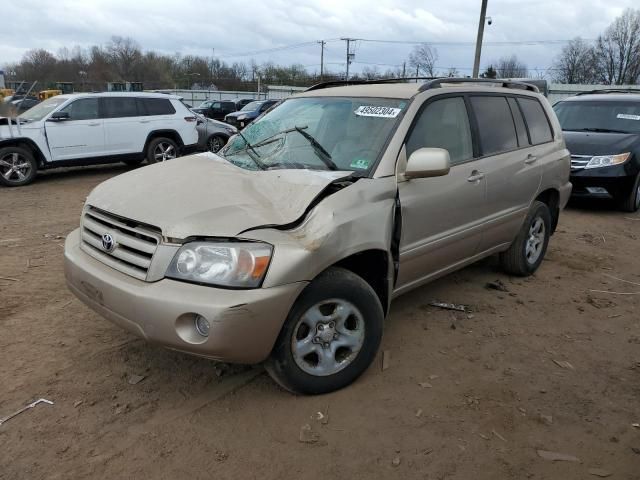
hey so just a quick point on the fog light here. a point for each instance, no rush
(202, 325)
(597, 190)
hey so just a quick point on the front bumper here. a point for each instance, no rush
(244, 323)
(614, 180)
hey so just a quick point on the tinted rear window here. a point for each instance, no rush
(539, 128)
(521, 129)
(118, 107)
(495, 124)
(155, 106)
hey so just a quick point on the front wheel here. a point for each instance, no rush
(18, 167)
(527, 251)
(331, 335)
(630, 201)
(161, 149)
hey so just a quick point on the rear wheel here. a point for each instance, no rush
(161, 149)
(18, 167)
(527, 251)
(630, 200)
(330, 336)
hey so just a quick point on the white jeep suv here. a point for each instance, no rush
(94, 128)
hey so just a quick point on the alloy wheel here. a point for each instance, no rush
(164, 151)
(14, 167)
(535, 241)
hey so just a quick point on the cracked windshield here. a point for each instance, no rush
(322, 133)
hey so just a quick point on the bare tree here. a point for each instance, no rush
(576, 63)
(511, 67)
(125, 55)
(490, 72)
(618, 50)
(453, 72)
(423, 58)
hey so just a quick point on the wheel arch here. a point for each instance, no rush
(167, 133)
(27, 144)
(551, 198)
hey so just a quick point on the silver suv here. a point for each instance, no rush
(289, 245)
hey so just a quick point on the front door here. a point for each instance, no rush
(442, 216)
(81, 136)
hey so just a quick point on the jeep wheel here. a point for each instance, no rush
(17, 166)
(215, 143)
(161, 149)
(527, 251)
(330, 336)
(630, 201)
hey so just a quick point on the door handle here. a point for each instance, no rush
(94, 124)
(476, 176)
(531, 159)
(145, 121)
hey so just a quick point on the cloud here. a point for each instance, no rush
(231, 28)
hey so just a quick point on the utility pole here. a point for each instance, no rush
(404, 69)
(322, 44)
(417, 72)
(476, 63)
(350, 55)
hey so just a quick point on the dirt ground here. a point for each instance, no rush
(464, 396)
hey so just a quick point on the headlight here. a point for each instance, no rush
(607, 160)
(237, 264)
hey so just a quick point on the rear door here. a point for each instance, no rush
(124, 126)
(441, 216)
(81, 136)
(511, 165)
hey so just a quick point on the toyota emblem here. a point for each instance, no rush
(108, 243)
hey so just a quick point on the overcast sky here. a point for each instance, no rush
(233, 29)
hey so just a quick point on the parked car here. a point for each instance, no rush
(215, 109)
(249, 113)
(212, 134)
(289, 246)
(94, 128)
(242, 102)
(602, 131)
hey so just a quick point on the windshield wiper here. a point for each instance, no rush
(323, 154)
(253, 156)
(600, 130)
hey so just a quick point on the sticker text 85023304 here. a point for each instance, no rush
(373, 111)
(626, 116)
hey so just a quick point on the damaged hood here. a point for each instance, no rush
(204, 195)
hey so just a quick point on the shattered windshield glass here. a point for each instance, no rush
(323, 133)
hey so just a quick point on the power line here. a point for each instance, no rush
(274, 49)
(465, 44)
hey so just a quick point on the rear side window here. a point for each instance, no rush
(155, 106)
(521, 129)
(82, 109)
(443, 124)
(119, 107)
(495, 124)
(539, 128)
(228, 105)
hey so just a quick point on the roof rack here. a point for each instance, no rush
(610, 90)
(437, 83)
(344, 83)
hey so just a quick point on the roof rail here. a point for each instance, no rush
(437, 83)
(610, 90)
(344, 83)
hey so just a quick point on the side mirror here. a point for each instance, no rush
(58, 116)
(427, 162)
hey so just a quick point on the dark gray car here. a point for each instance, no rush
(212, 134)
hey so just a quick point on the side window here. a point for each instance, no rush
(537, 121)
(119, 107)
(82, 109)
(155, 106)
(443, 124)
(521, 129)
(495, 124)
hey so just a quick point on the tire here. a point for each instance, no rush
(161, 149)
(359, 326)
(215, 143)
(133, 162)
(630, 200)
(528, 249)
(18, 166)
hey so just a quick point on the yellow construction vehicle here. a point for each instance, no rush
(6, 92)
(44, 94)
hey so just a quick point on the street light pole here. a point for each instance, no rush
(476, 63)
(322, 43)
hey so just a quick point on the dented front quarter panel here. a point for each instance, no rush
(357, 218)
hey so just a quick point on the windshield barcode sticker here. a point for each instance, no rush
(372, 111)
(625, 116)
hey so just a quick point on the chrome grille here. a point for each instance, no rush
(135, 244)
(578, 162)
